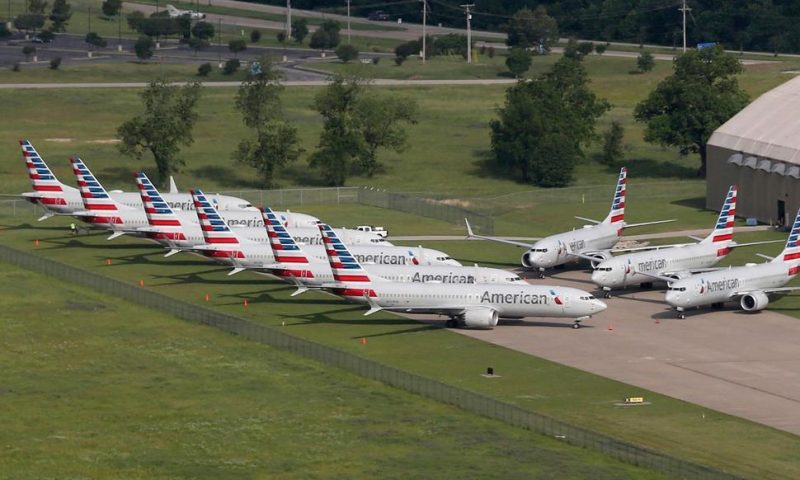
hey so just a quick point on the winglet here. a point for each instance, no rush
(470, 233)
(173, 188)
(373, 305)
(297, 283)
(236, 270)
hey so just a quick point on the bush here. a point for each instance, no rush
(15, 68)
(399, 60)
(46, 36)
(134, 19)
(613, 149)
(231, 66)
(28, 50)
(346, 53)
(4, 31)
(600, 48)
(92, 38)
(144, 47)
(55, 63)
(255, 36)
(203, 30)
(376, 60)
(237, 45)
(404, 50)
(111, 7)
(585, 48)
(491, 52)
(281, 36)
(518, 61)
(204, 69)
(645, 62)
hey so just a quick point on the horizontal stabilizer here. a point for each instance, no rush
(596, 222)
(766, 257)
(236, 270)
(633, 225)
(116, 234)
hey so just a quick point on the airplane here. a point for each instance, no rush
(674, 261)
(181, 229)
(592, 242)
(176, 12)
(470, 305)
(293, 264)
(60, 199)
(224, 244)
(751, 285)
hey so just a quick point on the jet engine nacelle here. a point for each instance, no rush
(480, 318)
(601, 257)
(526, 260)
(753, 302)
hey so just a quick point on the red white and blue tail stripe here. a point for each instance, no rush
(344, 266)
(791, 253)
(284, 248)
(41, 176)
(617, 213)
(723, 230)
(215, 230)
(159, 214)
(93, 194)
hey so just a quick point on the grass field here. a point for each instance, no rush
(670, 425)
(97, 388)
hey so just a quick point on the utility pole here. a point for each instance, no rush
(683, 10)
(469, 30)
(348, 22)
(219, 39)
(90, 19)
(288, 19)
(424, 26)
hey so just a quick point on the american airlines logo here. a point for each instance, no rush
(514, 298)
(316, 240)
(443, 278)
(651, 265)
(382, 259)
(250, 222)
(577, 245)
(187, 205)
(722, 285)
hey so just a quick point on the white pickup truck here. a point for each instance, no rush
(380, 231)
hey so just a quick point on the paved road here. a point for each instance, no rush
(741, 364)
(301, 83)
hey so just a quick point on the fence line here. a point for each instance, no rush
(434, 389)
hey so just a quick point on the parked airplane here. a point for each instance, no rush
(674, 261)
(225, 245)
(181, 229)
(176, 12)
(470, 305)
(57, 198)
(592, 242)
(293, 263)
(751, 285)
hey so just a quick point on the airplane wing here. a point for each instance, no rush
(648, 247)
(764, 242)
(585, 256)
(473, 235)
(765, 290)
(634, 225)
(658, 276)
(436, 310)
(590, 220)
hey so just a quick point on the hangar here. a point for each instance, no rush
(759, 149)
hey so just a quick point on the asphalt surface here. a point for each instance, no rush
(742, 364)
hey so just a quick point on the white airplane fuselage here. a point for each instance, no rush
(719, 286)
(513, 301)
(554, 250)
(625, 270)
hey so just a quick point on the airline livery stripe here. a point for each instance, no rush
(351, 278)
(100, 206)
(221, 240)
(48, 188)
(617, 218)
(282, 259)
(354, 292)
(293, 273)
(165, 223)
(722, 238)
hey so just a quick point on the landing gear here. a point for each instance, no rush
(606, 292)
(451, 323)
(576, 325)
(681, 315)
(541, 273)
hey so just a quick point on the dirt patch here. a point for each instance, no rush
(105, 141)
(457, 202)
(85, 307)
(59, 140)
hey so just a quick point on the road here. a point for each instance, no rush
(300, 83)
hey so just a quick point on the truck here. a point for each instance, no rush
(380, 231)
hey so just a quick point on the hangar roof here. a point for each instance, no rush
(769, 127)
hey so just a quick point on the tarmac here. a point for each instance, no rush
(742, 364)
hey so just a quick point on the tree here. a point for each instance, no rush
(380, 119)
(326, 36)
(585, 48)
(55, 62)
(37, 6)
(236, 46)
(28, 22)
(299, 29)
(686, 107)
(255, 36)
(111, 7)
(144, 47)
(231, 66)
(518, 61)
(281, 37)
(166, 124)
(346, 53)
(532, 29)
(645, 61)
(197, 44)
(28, 50)
(92, 38)
(600, 48)
(134, 19)
(543, 124)
(404, 50)
(341, 139)
(613, 149)
(60, 15)
(203, 30)
(4, 31)
(204, 69)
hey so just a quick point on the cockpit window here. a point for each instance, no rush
(677, 289)
(540, 250)
(604, 269)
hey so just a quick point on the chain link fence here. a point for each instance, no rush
(434, 389)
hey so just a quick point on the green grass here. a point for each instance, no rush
(565, 393)
(95, 387)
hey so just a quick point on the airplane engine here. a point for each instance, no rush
(601, 257)
(527, 260)
(753, 302)
(480, 318)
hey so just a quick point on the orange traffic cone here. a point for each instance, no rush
(108, 261)
(36, 242)
(245, 303)
(206, 297)
(610, 326)
(141, 283)
(363, 340)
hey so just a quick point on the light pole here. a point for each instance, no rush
(348, 22)
(469, 30)
(683, 10)
(288, 19)
(424, 27)
(119, 30)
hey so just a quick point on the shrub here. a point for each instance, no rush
(15, 68)
(346, 53)
(491, 52)
(231, 66)
(28, 50)
(55, 63)
(600, 48)
(376, 60)
(92, 38)
(255, 36)
(399, 60)
(144, 47)
(204, 69)
(281, 36)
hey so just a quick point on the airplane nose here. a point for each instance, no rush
(598, 277)
(599, 305)
(672, 297)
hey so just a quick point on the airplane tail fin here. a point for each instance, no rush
(284, 248)
(42, 178)
(617, 212)
(159, 214)
(215, 230)
(94, 195)
(791, 252)
(723, 230)
(344, 265)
